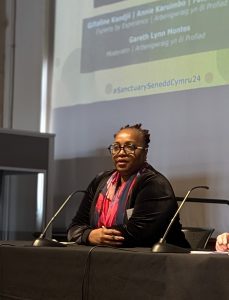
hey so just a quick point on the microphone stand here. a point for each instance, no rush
(42, 241)
(162, 246)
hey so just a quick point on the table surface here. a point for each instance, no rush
(83, 272)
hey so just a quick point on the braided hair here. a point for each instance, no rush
(145, 133)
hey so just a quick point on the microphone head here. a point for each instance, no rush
(200, 187)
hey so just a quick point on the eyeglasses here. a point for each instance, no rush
(128, 148)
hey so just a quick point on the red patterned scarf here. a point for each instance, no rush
(111, 203)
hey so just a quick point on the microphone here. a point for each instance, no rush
(162, 246)
(42, 241)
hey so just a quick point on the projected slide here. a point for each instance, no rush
(146, 33)
(129, 50)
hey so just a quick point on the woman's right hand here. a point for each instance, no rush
(222, 242)
(105, 236)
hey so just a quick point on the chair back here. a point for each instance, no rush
(197, 236)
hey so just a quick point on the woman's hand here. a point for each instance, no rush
(222, 242)
(105, 236)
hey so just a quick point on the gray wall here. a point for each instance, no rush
(2, 42)
(26, 34)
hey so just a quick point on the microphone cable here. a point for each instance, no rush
(85, 281)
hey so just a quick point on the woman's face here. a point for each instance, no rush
(129, 163)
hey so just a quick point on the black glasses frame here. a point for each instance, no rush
(124, 148)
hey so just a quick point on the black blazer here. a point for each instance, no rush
(151, 204)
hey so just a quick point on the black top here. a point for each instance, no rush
(153, 202)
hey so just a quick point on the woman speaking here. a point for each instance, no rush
(131, 205)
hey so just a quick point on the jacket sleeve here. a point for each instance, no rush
(153, 204)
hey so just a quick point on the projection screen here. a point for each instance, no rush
(164, 64)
